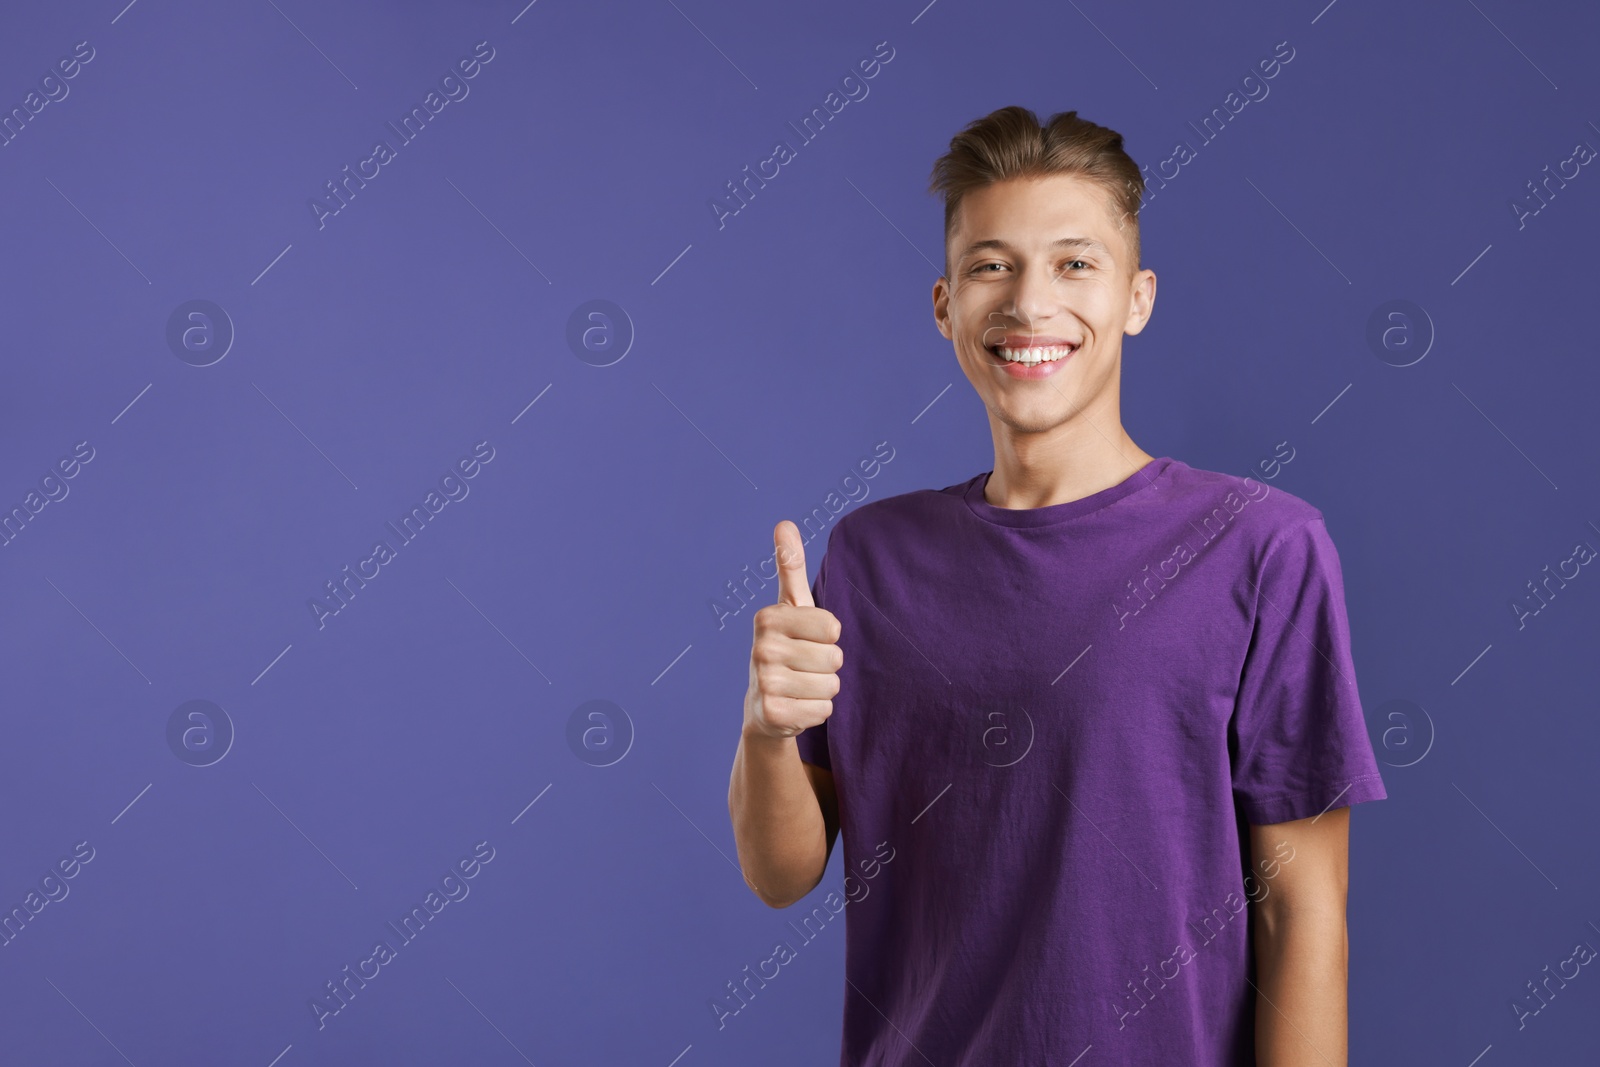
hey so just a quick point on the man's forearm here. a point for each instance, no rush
(1302, 973)
(777, 822)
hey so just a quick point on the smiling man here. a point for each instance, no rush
(1101, 704)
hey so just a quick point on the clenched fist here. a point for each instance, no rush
(794, 656)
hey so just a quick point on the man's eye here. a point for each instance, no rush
(1072, 264)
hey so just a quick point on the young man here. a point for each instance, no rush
(1088, 721)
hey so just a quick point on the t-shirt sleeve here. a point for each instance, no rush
(1301, 737)
(813, 741)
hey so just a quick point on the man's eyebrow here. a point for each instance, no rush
(1060, 242)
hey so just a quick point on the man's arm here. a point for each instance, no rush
(785, 812)
(1301, 944)
(785, 818)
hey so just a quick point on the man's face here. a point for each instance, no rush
(1040, 264)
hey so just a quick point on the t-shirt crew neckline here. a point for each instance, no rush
(1058, 513)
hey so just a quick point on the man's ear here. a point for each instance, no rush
(1142, 280)
(941, 306)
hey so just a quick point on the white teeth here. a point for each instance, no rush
(1034, 355)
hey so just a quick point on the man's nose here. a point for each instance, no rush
(1035, 296)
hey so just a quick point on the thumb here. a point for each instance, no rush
(791, 560)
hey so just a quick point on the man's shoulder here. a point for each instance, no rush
(892, 514)
(1267, 511)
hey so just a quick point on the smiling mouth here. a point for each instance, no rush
(1033, 354)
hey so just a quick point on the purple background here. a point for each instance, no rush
(769, 355)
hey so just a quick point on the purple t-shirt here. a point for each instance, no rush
(1057, 724)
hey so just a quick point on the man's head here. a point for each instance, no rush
(1041, 252)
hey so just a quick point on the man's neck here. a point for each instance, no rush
(1037, 474)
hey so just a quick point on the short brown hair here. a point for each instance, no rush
(1011, 143)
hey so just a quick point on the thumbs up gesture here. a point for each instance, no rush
(794, 656)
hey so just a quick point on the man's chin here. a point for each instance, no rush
(1026, 419)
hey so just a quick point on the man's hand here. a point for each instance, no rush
(794, 655)
(785, 813)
